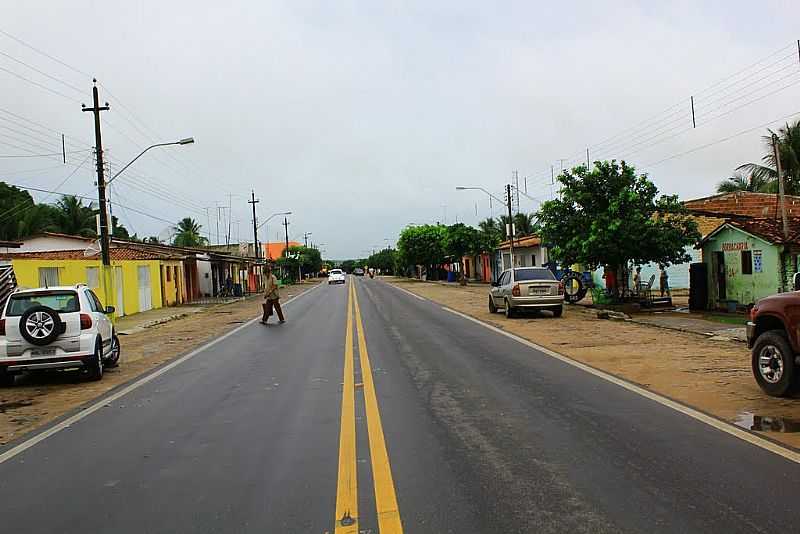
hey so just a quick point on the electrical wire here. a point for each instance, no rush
(42, 155)
(37, 84)
(62, 82)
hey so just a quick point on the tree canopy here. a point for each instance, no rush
(187, 233)
(305, 259)
(383, 260)
(610, 215)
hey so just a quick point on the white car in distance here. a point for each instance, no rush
(336, 276)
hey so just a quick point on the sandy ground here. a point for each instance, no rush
(713, 376)
(39, 398)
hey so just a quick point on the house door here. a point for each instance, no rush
(719, 273)
(145, 293)
(119, 284)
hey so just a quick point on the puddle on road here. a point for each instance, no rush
(766, 423)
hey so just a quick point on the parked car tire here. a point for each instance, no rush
(492, 307)
(773, 364)
(95, 369)
(6, 378)
(510, 312)
(113, 356)
(574, 288)
(557, 311)
(40, 325)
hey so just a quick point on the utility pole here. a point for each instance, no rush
(516, 185)
(305, 238)
(230, 216)
(255, 222)
(286, 233)
(510, 230)
(777, 153)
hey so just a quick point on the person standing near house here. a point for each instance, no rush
(663, 279)
(637, 279)
(271, 297)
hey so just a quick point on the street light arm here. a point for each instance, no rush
(186, 141)
(521, 192)
(272, 217)
(501, 201)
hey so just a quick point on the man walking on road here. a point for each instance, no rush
(271, 298)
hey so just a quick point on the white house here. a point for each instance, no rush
(50, 241)
(528, 252)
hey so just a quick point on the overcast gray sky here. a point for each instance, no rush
(361, 117)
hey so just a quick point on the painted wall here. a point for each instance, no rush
(71, 272)
(744, 288)
(678, 274)
(172, 282)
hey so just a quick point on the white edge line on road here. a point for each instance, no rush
(669, 403)
(27, 444)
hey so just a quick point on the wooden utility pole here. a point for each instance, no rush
(286, 233)
(777, 153)
(101, 179)
(255, 223)
(510, 230)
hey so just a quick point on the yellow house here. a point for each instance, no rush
(138, 275)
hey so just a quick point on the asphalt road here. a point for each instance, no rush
(450, 427)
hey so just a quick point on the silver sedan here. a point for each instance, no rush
(527, 288)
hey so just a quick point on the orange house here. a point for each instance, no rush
(274, 250)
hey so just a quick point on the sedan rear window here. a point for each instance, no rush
(336, 271)
(60, 301)
(522, 275)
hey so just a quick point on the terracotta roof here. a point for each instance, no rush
(117, 253)
(522, 242)
(744, 203)
(771, 230)
(707, 224)
(275, 250)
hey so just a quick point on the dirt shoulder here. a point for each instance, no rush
(713, 376)
(39, 398)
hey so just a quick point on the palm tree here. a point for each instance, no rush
(187, 233)
(75, 218)
(524, 224)
(789, 151)
(738, 182)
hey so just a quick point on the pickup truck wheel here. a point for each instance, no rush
(492, 307)
(95, 370)
(510, 313)
(773, 363)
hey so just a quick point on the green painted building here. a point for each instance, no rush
(748, 259)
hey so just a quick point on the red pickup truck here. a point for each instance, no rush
(773, 334)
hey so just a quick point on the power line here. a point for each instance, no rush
(65, 84)
(37, 84)
(30, 46)
(42, 155)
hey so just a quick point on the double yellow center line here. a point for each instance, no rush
(347, 486)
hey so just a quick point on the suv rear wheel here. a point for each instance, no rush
(95, 368)
(773, 363)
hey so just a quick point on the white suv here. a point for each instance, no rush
(336, 276)
(56, 328)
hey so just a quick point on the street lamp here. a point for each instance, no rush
(265, 222)
(461, 188)
(186, 141)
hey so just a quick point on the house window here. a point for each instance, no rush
(93, 277)
(747, 262)
(48, 276)
(533, 260)
(169, 274)
(757, 264)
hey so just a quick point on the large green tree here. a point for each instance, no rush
(422, 245)
(789, 150)
(187, 233)
(384, 260)
(297, 259)
(76, 218)
(612, 216)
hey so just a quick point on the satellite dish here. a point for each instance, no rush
(93, 249)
